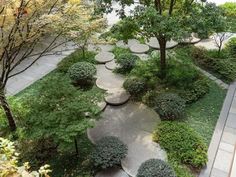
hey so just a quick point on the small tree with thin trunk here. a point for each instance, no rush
(24, 26)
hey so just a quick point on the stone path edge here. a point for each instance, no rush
(218, 132)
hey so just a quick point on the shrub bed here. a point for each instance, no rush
(169, 106)
(108, 152)
(182, 143)
(155, 168)
(225, 69)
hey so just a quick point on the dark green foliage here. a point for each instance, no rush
(194, 92)
(181, 75)
(123, 30)
(182, 143)
(169, 106)
(231, 46)
(75, 57)
(135, 86)
(117, 51)
(155, 168)
(126, 62)
(225, 69)
(148, 71)
(108, 152)
(57, 110)
(82, 73)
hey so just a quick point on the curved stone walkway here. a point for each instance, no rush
(133, 123)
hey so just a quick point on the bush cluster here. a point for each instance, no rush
(196, 91)
(127, 62)
(169, 106)
(155, 168)
(225, 69)
(135, 86)
(108, 152)
(75, 57)
(182, 143)
(231, 46)
(82, 73)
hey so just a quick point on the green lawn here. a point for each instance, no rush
(203, 114)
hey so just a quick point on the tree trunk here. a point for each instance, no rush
(7, 111)
(76, 147)
(162, 43)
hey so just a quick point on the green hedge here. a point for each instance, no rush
(182, 143)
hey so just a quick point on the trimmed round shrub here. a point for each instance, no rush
(127, 62)
(155, 168)
(108, 152)
(169, 106)
(135, 86)
(231, 46)
(82, 73)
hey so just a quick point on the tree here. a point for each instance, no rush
(9, 161)
(169, 19)
(24, 25)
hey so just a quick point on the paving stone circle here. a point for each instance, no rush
(112, 172)
(107, 80)
(102, 105)
(139, 48)
(104, 57)
(111, 65)
(153, 43)
(117, 97)
(122, 44)
(133, 123)
(133, 42)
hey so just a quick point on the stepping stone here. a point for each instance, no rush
(122, 44)
(139, 48)
(111, 65)
(104, 57)
(143, 57)
(141, 150)
(117, 97)
(107, 80)
(106, 47)
(153, 43)
(112, 172)
(92, 48)
(133, 42)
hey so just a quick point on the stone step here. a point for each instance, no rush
(233, 167)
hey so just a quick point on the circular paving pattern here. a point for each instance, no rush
(133, 42)
(104, 57)
(139, 48)
(117, 97)
(122, 44)
(112, 172)
(107, 80)
(102, 105)
(153, 43)
(133, 123)
(111, 65)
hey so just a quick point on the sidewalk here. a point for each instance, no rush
(221, 149)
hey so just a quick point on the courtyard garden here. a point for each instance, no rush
(140, 98)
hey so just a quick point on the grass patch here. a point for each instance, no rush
(203, 114)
